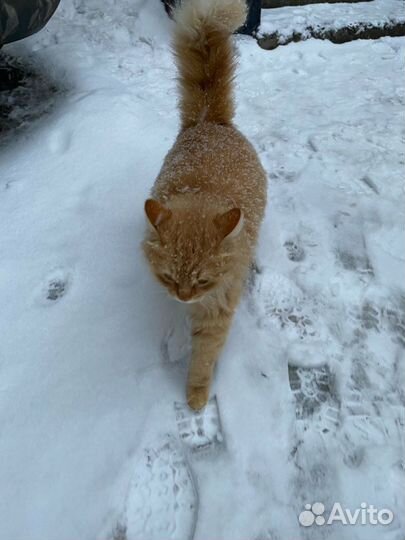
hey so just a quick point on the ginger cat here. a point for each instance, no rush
(210, 195)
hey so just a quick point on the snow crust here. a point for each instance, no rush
(287, 20)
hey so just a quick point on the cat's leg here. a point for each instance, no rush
(208, 335)
(209, 332)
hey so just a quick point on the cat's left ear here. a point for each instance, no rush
(230, 223)
(156, 212)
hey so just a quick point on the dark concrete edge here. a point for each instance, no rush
(270, 4)
(340, 35)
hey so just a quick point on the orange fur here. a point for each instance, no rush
(210, 195)
(205, 58)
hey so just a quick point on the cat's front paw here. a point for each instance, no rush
(197, 396)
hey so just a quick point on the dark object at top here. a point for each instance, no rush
(10, 77)
(22, 18)
(252, 20)
(169, 6)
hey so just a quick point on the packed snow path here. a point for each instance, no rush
(93, 353)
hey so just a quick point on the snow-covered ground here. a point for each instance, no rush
(94, 437)
(300, 19)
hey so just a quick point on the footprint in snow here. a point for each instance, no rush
(315, 396)
(363, 432)
(295, 252)
(59, 140)
(54, 287)
(162, 502)
(175, 345)
(350, 246)
(280, 304)
(386, 317)
(283, 176)
(355, 262)
(199, 430)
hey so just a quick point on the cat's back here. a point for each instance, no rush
(216, 159)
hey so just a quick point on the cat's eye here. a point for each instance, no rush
(203, 282)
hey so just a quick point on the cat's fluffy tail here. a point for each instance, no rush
(205, 58)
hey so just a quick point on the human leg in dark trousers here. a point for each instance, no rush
(253, 18)
(20, 19)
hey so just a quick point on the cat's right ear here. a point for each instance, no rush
(230, 224)
(156, 213)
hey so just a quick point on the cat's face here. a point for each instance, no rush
(190, 255)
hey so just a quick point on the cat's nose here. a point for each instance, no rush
(184, 293)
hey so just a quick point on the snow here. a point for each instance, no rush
(289, 20)
(93, 353)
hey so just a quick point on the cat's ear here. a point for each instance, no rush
(156, 213)
(230, 223)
